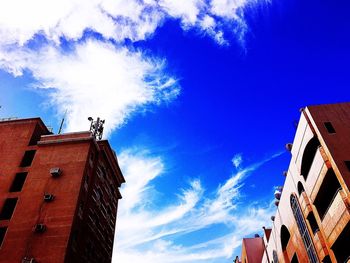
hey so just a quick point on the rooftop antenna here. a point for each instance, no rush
(60, 129)
(96, 127)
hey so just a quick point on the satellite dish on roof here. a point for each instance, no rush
(278, 194)
(289, 146)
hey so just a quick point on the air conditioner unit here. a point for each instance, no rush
(48, 197)
(55, 172)
(39, 228)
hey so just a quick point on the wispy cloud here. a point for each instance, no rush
(102, 75)
(154, 234)
(237, 160)
(95, 79)
(114, 19)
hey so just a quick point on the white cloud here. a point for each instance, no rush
(152, 233)
(237, 160)
(227, 8)
(21, 20)
(187, 10)
(95, 79)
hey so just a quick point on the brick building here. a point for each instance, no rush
(312, 222)
(58, 195)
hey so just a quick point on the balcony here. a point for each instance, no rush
(336, 217)
(305, 204)
(320, 245)
(316, 174)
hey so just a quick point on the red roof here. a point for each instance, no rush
(254, 248)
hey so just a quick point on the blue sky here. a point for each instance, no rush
(199, 97)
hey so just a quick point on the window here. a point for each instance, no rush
(294, 259)
(100, 193)
(329, 127)
(300, 188)
(35, 136)
(27, 158)
(275, 257)
(328, 190)
(347, 164)
(2, 234)
(18, 182)
(86, 182)
(75, 239)
(313, 223)
(308, 156)
(285, 236)
(341, 245)
(305, 235)
(327, 259)
(8, 208)
(81, 209)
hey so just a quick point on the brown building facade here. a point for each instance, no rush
(58, 195)
(312, 222)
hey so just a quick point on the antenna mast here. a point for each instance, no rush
(96, 127)
(60, 129)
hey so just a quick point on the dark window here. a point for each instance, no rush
(8, 208)
(300, 188)
(86, 181)
(18, 182)
(308, 156)
(285, 236)
(2, 234)
(305, 235)
(327, 259)
(81, 209)
(28, 158)
(75, 239)
(329, 127)
(328, 190)
(92, 156)
(100, 192)
(275, 257)
(341, 245)
(294, 259)
(36, 135)
(347, 163)
(313, 223)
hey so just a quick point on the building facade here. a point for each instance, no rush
(312, 222)
(58, 195)
(313, 214)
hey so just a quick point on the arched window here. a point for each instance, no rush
(275, 257)
(308, 156)
(300, 188)
(285, 236)
(304, 232)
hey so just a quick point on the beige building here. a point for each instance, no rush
(312, 219)
(313, 209)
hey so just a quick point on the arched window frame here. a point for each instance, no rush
(308, 156)
(302, 227)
